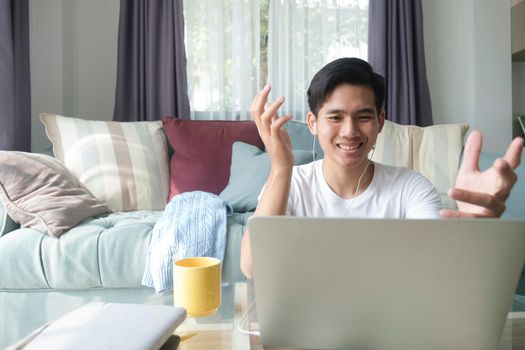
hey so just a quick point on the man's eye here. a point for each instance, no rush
(334, 117)
(365, 117)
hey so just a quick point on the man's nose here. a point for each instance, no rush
(348, 128)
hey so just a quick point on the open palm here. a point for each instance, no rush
(271, 129)
(483, 193)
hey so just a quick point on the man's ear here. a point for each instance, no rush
(381, 120)
(311, 119)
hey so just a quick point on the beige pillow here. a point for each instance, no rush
(124, 164)
(434, 151)
(39, 192)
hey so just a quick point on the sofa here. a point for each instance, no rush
(49, 270)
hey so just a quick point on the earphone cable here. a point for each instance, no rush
(361, 177)
(313, 149)
(243, 318)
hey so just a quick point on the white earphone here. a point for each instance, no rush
(314, 132)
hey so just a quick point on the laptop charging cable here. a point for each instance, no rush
(243, 319)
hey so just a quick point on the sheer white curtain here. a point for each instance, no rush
(223, 54)
(303, 36)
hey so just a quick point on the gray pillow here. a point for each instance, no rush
(248, 173)
(37, 191)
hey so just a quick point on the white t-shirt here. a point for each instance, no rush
(393, 193)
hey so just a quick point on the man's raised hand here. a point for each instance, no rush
(483, 193)
(270, 127)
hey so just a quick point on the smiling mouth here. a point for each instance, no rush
(350, 147)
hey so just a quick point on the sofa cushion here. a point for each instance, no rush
(124, 164)
(434, 151)
(231, 267)
(38, 191)
(249, 171)
(103, 252)
(202, 152)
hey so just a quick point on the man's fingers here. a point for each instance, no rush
(507, 175)
(271, 110)
(279, 122)
(451, 214)
(488, 202)
(266, 108)
(472, 152)
(513, 154)
(257, 107)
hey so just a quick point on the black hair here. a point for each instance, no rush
(353, 71)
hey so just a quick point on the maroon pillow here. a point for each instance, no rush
(203, 152)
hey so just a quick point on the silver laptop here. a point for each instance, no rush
(384, 284)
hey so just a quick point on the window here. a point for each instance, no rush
(235, 47)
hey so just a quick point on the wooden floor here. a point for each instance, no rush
(513, 336)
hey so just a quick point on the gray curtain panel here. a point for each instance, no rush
(151, 64)
(15, 88)
(396, 51)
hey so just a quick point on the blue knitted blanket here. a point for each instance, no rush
(193, 224)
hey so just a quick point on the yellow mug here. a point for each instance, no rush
(197, 285)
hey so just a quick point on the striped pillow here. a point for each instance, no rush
(434, 151)
(124, 164)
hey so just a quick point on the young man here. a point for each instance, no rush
(345, 99)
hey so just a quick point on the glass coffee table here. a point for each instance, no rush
(220, 331)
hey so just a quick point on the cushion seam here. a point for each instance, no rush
(98, 258)
(42, 260)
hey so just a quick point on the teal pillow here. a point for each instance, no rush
(248, 173)
(302, 138)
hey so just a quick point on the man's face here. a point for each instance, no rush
(348, 124)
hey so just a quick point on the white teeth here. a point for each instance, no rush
(349, 147)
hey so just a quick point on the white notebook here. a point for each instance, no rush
(108, 326)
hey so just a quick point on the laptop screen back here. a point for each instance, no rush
(384, 284)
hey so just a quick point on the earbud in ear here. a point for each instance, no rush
(315, 129)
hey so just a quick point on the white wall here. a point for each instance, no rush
(73, 47)
(449, 53)
(493, 72)
(468, 55)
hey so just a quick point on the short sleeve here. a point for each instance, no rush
(422, 199)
